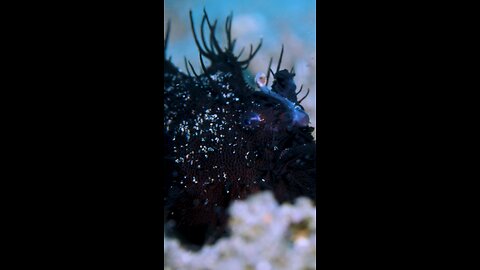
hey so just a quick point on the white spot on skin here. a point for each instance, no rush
(261, 79)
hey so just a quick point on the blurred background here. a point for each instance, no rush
(292, 23)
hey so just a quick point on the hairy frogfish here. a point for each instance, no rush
(228, 134)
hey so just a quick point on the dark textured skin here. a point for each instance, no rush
(216, 154)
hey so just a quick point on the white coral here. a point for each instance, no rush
(264, 236)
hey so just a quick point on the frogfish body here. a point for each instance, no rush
(226, 138)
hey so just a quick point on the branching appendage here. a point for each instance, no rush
(165, 41)
(280, 60)
(301, 87)
(212, 50)
(186, 67)
(246, 62)
(193, 70)
(269, 68)
(308, 92)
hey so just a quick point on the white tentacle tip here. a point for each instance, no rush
(261, 79)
